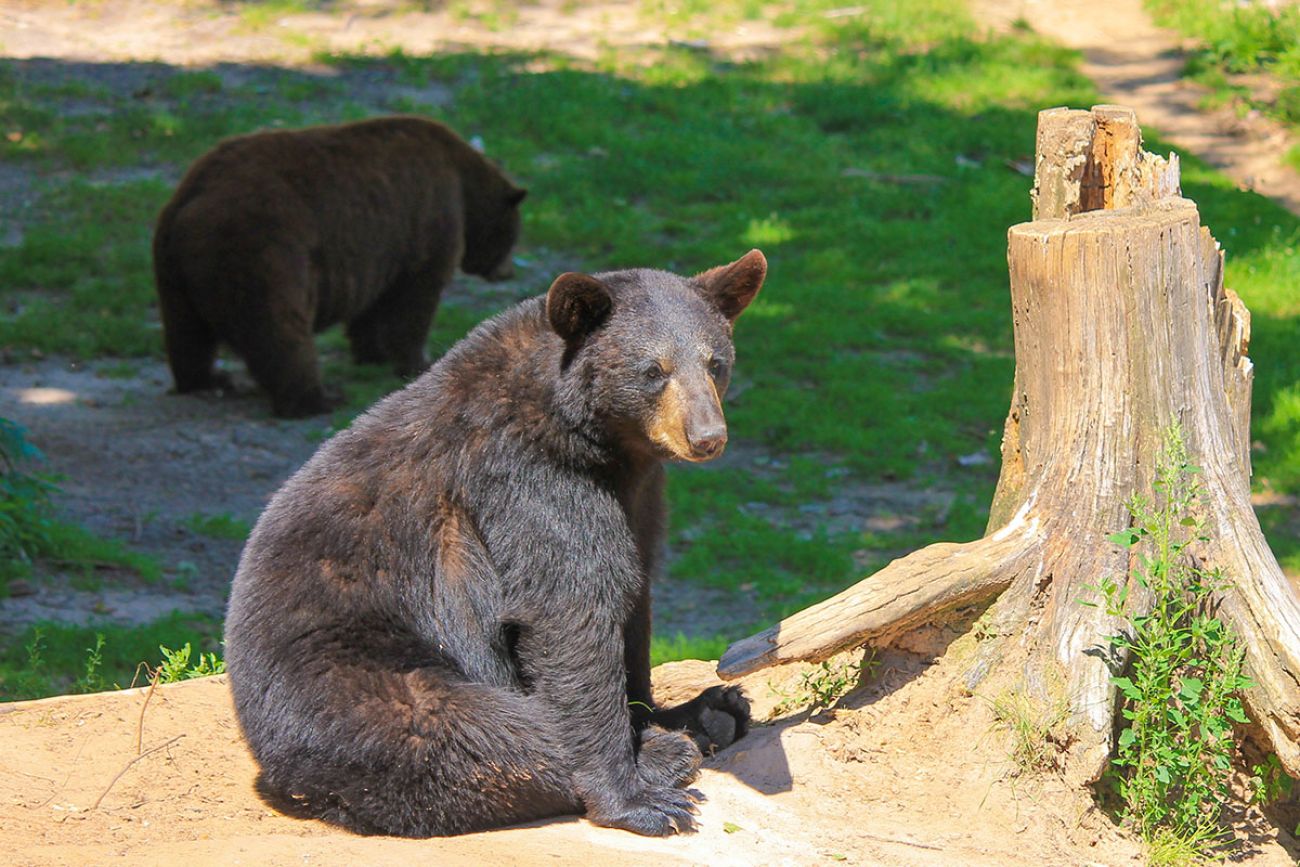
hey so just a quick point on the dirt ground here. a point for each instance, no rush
(894, 780)
(910, 772)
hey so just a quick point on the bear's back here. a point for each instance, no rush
(334, 166)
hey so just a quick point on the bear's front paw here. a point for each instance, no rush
(667, 758)
(655, 811)
(721, 718)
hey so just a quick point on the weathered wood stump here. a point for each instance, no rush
(1122, 327)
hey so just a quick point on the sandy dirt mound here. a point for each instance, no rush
(906, 773)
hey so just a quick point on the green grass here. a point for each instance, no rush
(880, 349)
(52, 658)
(222, 525)
(1233, 39)
(1237, 37)
(670, 648)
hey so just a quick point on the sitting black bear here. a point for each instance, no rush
(442, 622)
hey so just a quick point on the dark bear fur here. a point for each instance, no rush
(274, 236)
(441, 623)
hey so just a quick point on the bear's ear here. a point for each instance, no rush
(576, 304)
(516, 195)
(730, 288)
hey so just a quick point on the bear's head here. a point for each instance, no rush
(491, 225)
(649, 353)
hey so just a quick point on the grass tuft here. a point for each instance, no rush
(1034, 728)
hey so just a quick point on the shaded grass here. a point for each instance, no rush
(32, 536)
(221, 525)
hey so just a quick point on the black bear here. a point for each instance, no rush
(441, 623)
(274, 236)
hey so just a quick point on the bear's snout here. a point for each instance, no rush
(707, 442)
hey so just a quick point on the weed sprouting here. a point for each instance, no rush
(1181, 695)
(91, 681)
(175, 665)
(822, 686)
(1269, 782)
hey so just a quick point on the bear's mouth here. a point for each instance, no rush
(679, 449)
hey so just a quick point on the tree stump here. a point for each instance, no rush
(1122, 327)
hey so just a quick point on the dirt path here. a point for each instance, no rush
(1136, 64)
(208, 32)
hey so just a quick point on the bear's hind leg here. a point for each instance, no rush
(431, 758)
(274, 332)
(366, 338)
(281, 356)
(191, 343)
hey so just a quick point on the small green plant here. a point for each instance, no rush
(822, 686)
(1181, 695)
(31, 678)
(91, 681)
(25, 514)
(175, 665)
(1269, 782)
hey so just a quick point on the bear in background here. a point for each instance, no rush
(441, 623)
(274, 236)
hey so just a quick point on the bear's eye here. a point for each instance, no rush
(717, 368)
(654, 371)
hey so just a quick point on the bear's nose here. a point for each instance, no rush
(709, 442)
